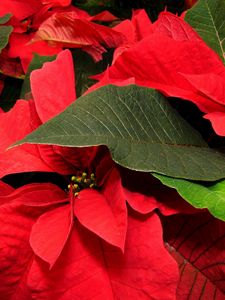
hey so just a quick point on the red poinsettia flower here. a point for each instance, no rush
(71, 244)
(176, 61)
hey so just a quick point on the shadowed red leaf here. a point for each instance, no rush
(197, 243)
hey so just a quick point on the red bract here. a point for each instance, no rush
(56, 2)
(21, 47)
(53, 89)
(66, 30)
(197, 243)
(21, 9)
(83, 265)
(22, 42)
(174, 60)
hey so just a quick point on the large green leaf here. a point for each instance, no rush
(36, 63)
(142, 131)
(5, 18)
(207, 17)
(211, 197)
(5, 32)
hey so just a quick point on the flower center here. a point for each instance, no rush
(82, 182)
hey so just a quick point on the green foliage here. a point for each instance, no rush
(207, 18)
(5, 32)
(199, 195)
(142, 131)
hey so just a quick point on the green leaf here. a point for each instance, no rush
(211, 197)
(5, 18)
(142, 131)
(86, 67)
(5, 32)
(207, 17)
(36, 63)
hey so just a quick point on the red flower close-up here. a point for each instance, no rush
(112, 164)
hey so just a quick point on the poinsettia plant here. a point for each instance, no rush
(112, 163)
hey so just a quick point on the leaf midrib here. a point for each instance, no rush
(113, 137)
(170, 247)
(214, 26)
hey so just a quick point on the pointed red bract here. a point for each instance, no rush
(57, 86)
(104, 213)
(174, 27)
(16, 221)
(197, 243)
(90, 269)
(50, 233)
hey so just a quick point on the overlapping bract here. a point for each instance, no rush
(174, 60)
(105, 242)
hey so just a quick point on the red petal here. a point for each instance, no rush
(104, 16)
(57, 88)
(174, 27)
(20, 46)
(218, 122)
(213, 87)
(164, 73)
(142, 24)
(50, 233)
(15, 253)
(144, 193)
(88, 269)
(21, 9)
(197, 243)
(135, 30)
(18, 159)
(35, 194)
(5, 189)
(104, 214)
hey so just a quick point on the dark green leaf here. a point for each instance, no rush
(207, 17)
(142, 131)
(5, 32)
(5, 18)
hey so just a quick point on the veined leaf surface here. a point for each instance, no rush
(142, 131)
(207, 18)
